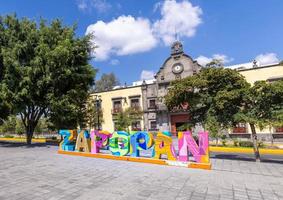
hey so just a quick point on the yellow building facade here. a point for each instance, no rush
(268, 73)
(121, 98)
(117, 100)
(264, 73)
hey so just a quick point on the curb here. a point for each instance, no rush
(246, 150)
(23, 140)
(206, 166)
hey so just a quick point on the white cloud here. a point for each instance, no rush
(147, 75)
(82, 5)
(114, 62)
(122, 36)
(203, 60)
(100, 6)
(267, 58)
(129, 35)
(182, 18)
(157, 6)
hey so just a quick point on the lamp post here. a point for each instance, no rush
(98, 108)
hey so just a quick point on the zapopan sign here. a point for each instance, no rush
(121, 143)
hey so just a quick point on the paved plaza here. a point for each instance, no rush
(38, 172)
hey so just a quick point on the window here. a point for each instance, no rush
(117, 106)
(279, 129)
(136, 126)
(153, 125)
(152, 103)
(135, 103)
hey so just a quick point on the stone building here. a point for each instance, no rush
(156, 116)
(148, 96)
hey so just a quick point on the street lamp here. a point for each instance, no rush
(98, 101)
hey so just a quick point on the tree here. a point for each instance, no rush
(214, 93)
(215, 63)
(106, 82)
(46, 71)
(93, 114)
(223, 97)
(5, 107)
(8, 126)
(126, 117)
(20, 128)
(262, 106)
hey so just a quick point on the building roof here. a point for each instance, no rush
(250, 65)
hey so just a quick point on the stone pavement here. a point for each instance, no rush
(40, 173)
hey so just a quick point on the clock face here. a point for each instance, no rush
(177, 68)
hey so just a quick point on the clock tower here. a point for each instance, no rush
(176, 48)
(177, 66)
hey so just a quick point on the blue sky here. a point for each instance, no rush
(135, 35)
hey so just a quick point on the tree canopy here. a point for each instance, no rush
(45, 71)
(126, 117)
(262, 106)
(106, 82)
(221, 97)
(216, 92)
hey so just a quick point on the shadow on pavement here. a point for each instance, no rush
(248, 157)
(21, 144)
(232, 157)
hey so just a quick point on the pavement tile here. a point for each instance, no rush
(41, 173)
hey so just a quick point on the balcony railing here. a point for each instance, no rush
(239, 130)
(136, 108)
(116, 110)
(152, 107)
(279, 129)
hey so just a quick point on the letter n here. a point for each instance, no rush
(187, 143)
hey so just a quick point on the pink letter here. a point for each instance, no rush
(186, 142)
(99, 139)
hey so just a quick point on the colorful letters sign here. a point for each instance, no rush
(122, 143)
(68, 142)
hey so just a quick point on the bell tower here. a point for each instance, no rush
(177, 48)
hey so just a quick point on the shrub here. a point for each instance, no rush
(53, 138)
(9, 136)
(224, 141)
(246, 144)
(260, 144)
(236, 142)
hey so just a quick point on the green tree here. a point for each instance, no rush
(106, 82)
(215, 63)
(262, 106)
(42, 126)
(8, 126)
(126, 117)
(94, 113)
(20, 128)
(214, 128)
(5, 107)
(214, 93)
(46, 71)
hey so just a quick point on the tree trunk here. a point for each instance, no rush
(30, 119)
(255, 145)
(29, 133)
